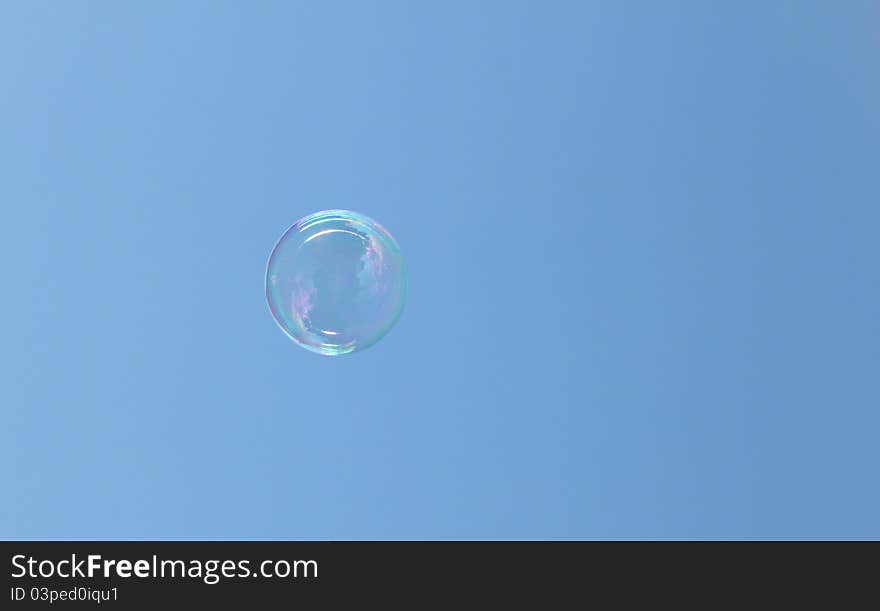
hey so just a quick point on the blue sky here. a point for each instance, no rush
(642, 249)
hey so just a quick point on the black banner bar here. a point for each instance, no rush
(131, 575)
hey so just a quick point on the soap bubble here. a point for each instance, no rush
(336, 282)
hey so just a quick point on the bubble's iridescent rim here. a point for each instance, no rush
(317, 218)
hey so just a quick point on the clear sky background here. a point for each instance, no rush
(643, 250)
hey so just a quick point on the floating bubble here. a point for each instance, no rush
(336, 282)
